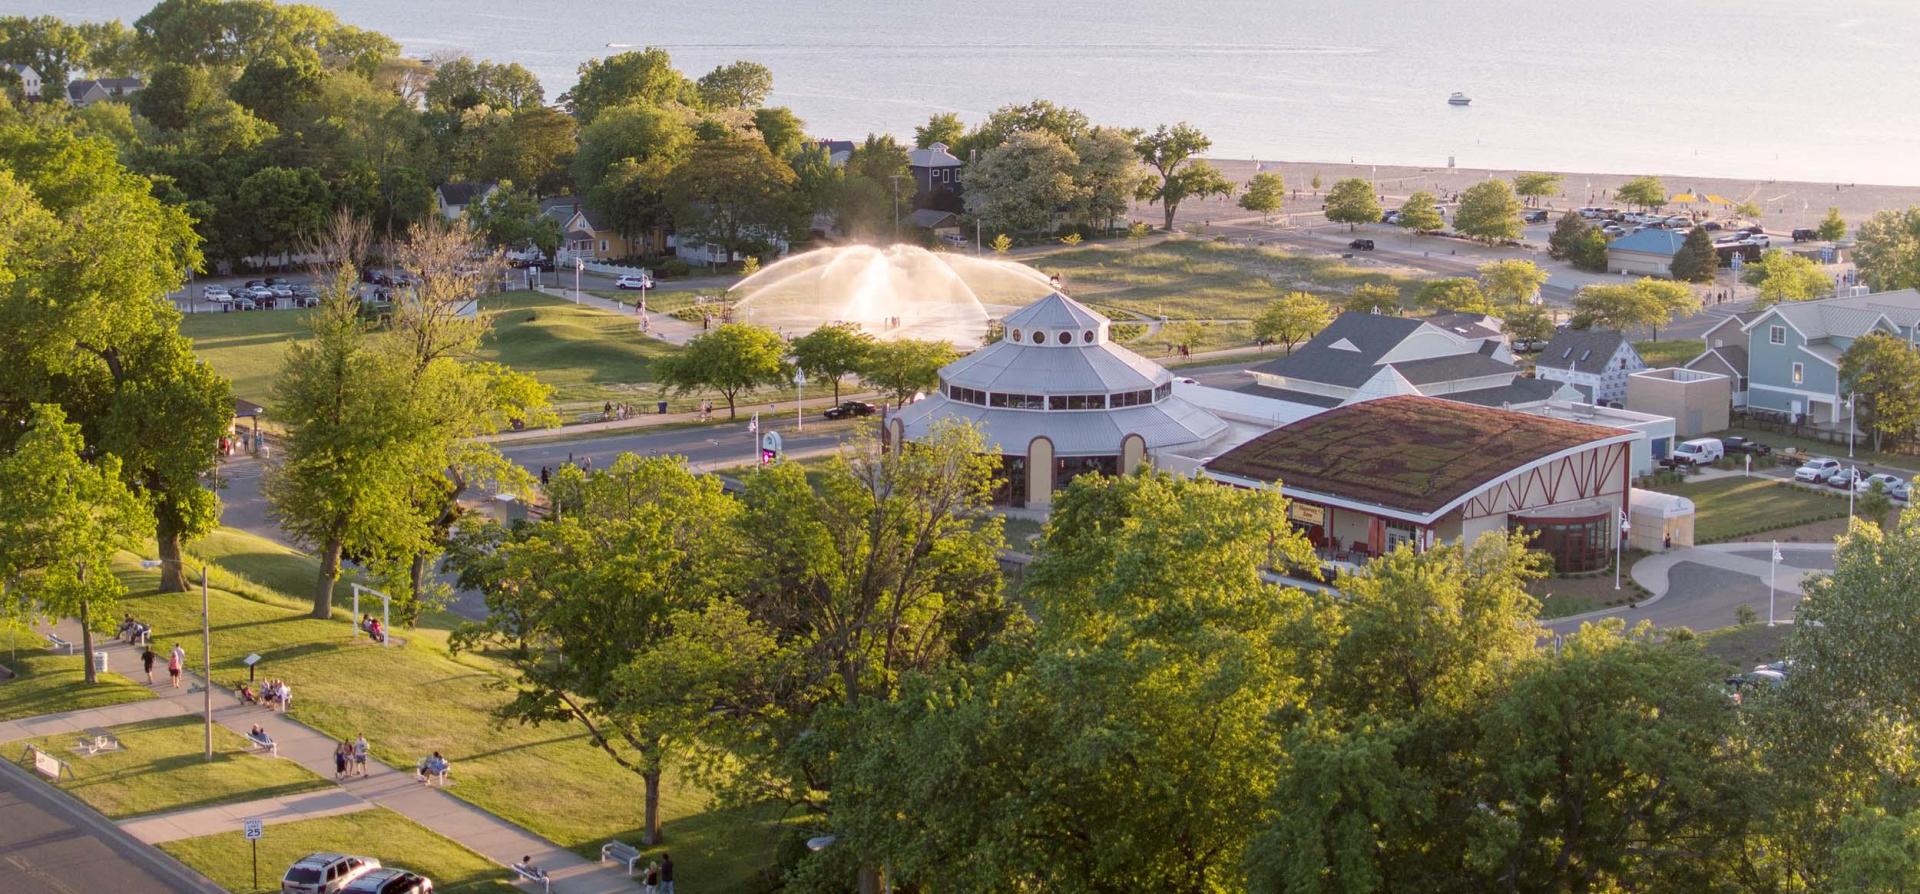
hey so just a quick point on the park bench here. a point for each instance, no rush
(264, 743)
(95, 740)
(532, 875)
(621, 852)
(55, 642)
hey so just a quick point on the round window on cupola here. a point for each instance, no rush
(1087, 336)
(1016, 336)
(1066, 338)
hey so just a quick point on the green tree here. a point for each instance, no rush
(1001, 244)
(1122, 744)
(1457, 294)
(274, 85)
(1833, 227)
(739, 85)
(1887, 250)
(1489, 211)
(50, 46)
(1178, 175)
(1567, 232)
(1646, 192)
(174, 96)
(1649, 302)
(1883, 373)
(1106, 176)
(1374, 298)
(782, 130)
(1749, 210)
(1589, 251)
(461, 83)
(879, 158)
(531, 148)
(1536, 186)
(284, 207)
(572, 600)
(833, 352)
(510, 218)
(1786, 277)
(62, 519)
(1022, 184)
(1352, 202)
(1512, 282)
(941, 127)
(638, 131)
(1294, 318)
(644, 76)
(197, 32)
(1265, 193)
(345, 478)
(1420, 213)
(1527, 322)
(632, 195)
(733, 358)
(904, 367)
(734, 194)
(1039, 115)
(1696, 261)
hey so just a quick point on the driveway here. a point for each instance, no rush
(1703, 587)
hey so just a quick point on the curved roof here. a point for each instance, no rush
(1056, 311)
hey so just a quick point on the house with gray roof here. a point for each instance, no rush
(936, 178)
(1365, 356)
(29, 80)
(452, 199)
(1596, 362)
(1790, 362)
(1646, 253)
(86, 92)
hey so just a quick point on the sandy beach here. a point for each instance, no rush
(1788, 204)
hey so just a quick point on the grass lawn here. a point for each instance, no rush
(1738, 508)
(417, 698)
(1201, 280)
(584, 353)
(1862, 449)
(45, 682)
(1563, 596)
(1745, 647)
(1672, 352)
(382, 834)
(163, 768)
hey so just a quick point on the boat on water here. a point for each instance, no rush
(1458, 99)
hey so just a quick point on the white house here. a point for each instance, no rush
(452, 199)
(1596, 362)
(29, 80)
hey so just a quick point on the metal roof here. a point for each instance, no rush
(934, 156)
(1171, 422)
(1097, 368)
(1652, 241)
(1056, 311)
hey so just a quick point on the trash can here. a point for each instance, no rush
(663, 408)
(100, 661)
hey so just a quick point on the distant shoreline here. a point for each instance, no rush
(1788, 203)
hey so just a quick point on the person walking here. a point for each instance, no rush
(341, 754)
(176, 660)
(666, 873)
(650, 883)
(360, 755)
(146, 661)
(545, 476)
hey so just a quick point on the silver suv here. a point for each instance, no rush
(325, 873)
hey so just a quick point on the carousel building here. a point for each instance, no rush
(1059, 398)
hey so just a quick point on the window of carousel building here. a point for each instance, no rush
(1067, 467)
(1011, 490)
(1576, 544)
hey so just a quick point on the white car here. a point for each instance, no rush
(1887, 483)
(325, 873)
(1760, 239)
(1816, 470)
(633, 281)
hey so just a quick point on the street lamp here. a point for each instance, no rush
(579, 264)
(1850, 426)
(206, 645)
(799, 399)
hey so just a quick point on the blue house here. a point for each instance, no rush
(1787, 358)
(1646, 253)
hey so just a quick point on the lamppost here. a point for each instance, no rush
(579, 264)
(206, 645)
(1850, 426)
(799, 399)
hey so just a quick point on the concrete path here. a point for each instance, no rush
(220, 818)
(659, 325)
(87, 718)
(384, 786)
(1702, 587)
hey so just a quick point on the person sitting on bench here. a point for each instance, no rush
(434, 768)
(258, 736)
(526, 868)
(376, 631)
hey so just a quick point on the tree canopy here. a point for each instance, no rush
(1295, 317)
(1489, 212)
(1178, 175)
(1351, 202)
(730, 359)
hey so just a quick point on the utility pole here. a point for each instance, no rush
(206, 659)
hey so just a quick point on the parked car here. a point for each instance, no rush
(1699, 451)
(1712, 226)
(1737, 444)
(1886, 482)
(1390, 216)
(1804, 234)
(1900, 492)
(1361, 245)
(1845, 478)
(1536, 216)
(633, 281)
(325, 873)
(1816, 470)
(242, 302)
(851, 409)
(1760, 239)
(1756, 679)
(389, 881)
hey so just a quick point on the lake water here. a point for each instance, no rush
(1738, 88)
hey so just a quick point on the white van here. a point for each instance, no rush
(1699, 451)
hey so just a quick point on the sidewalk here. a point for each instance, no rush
(383, 786)
(220, 818)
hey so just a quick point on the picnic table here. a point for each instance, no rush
(95, 740)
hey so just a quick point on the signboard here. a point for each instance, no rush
(770, 444)
(1307, 514)
(254, 829)
(47, 765)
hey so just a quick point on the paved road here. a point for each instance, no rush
(1704, 587)
(51, 844)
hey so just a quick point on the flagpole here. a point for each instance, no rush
(1619, 538)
